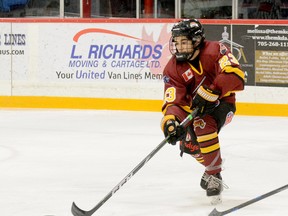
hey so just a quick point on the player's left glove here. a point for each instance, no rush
(205, 100)
(172, 128)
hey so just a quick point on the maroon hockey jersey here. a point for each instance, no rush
(215, 67)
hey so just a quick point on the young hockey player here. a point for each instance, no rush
(205, 75)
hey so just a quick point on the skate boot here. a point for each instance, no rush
(204, 181)
(214, 188)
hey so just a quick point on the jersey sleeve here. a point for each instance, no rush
(230, 77)
(176, 100)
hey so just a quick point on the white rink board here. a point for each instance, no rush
(5, 60)
(98, 60)
(68, 59)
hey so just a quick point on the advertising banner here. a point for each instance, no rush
(8, 48)
(77, 60)
(260, 49)
(123, 60)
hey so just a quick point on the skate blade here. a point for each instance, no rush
(215, 200)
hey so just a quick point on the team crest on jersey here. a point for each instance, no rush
(223, 48)
(229, 117)
(187, 75)
(199, 123)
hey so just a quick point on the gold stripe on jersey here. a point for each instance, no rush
(230, 92)
(207, 137)
(209, 149)
(237, 71)
(165, 119)
(195, 70)
(185, 108)
(165, 110)
(200, 160)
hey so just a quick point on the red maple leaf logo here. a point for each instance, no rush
(163, 39)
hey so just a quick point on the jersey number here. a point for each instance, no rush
(227, 60)
(170, 95)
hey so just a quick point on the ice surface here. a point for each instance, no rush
(50, 158)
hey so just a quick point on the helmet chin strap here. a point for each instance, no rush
(193, 56)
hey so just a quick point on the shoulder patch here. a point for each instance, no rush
(166, 79)
(223, 48)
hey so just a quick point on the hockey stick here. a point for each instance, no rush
(76, 211)
(256, 199)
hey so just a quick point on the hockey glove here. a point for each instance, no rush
(173, 129)
(206, 100)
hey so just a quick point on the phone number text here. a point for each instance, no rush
(272, 44)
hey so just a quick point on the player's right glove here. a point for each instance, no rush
(172, 128)
(206, 100)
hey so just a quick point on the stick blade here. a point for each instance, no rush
(76, 211)
(215, 213)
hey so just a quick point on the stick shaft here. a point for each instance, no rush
(79, 212)
(129, 176)
(256, 199)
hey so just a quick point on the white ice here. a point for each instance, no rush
(50, 158)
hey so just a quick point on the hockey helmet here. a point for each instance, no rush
(193, 30)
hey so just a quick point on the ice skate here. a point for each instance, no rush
(204, 181)
(215, 188)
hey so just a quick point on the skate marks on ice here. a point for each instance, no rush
(6, 153)
(50, 158)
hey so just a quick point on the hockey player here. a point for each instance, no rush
(205, 75)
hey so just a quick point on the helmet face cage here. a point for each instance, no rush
(180, 56)
(190, 28)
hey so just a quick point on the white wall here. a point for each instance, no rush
(46, 54)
